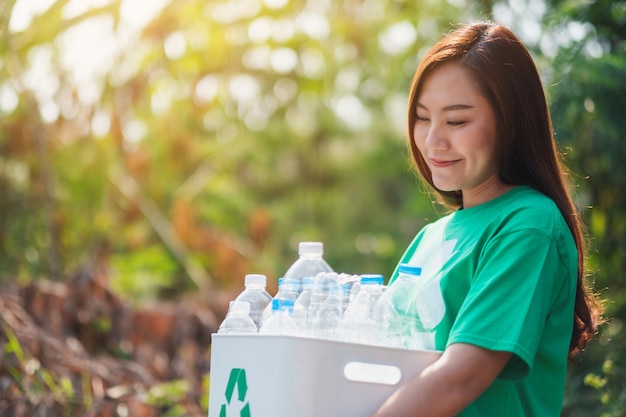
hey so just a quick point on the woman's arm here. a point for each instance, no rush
(447, 386)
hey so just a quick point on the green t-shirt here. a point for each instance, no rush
(502, 276)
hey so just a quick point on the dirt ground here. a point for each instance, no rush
(75, 349)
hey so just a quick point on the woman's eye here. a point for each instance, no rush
(455, 123)
(421, 118)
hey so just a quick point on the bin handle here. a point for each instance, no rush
(374, 373)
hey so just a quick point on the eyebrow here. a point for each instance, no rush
(449, 108)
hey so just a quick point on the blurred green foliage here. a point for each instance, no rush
(188, 148)
(588, 98)
(184, 144)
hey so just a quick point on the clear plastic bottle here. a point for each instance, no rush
(280, 321)
(288, 288)
(256, 295)
(301, 305)
(325, 309)
(395, 313)
(349, 285)
(310, 261)
(238, 319)
(357, 324)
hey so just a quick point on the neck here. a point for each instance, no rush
(489, 190)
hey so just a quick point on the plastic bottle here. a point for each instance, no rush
(349, 285)
(345, 297)
(301, 305)
(280, 321)
(357, 324)
(238, 319)
(310, 261)
(395, 312)
(325, 309)
(288, 288)
(256, 295)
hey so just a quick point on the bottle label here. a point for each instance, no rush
(240, 407)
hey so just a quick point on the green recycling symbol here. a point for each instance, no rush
(237, 379)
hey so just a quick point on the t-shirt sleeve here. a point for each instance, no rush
(510, 296)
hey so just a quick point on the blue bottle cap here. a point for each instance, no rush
(409, 269)
(282, 304)
(368, 279)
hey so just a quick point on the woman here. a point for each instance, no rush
(510, 300)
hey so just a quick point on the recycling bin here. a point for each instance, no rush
(289, 376)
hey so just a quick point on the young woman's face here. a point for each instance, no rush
(455, 131)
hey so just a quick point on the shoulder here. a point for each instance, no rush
(527, 208)
(530, 199)
(534, 217)
(521, 211)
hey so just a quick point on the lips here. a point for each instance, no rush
(442, 163)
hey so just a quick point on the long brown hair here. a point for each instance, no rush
(508, 78)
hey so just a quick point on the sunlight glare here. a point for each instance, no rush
(49, 111)
(283, 60)
(134, 132)
(275, 4)
(207, 89)
(175, 45)
(395, 109)
(523, 17)
(24, 11)
(313, 63)
(243, 88)
(530, 31)
(87, 52)
(348, 79)
(578, 30)
(257, 117)
(100, 123)
(8, 98)
(593, 49)
(503, 14)
(234, 10)
(43, 81)
(138, 13)
(548, 45)
(260, 29)
(257, 58)
(76, 8)
(163, 96)
(285, 89)
(352, 112)
(87, 49)
(398, 38)
(282, 30)
(315, 25)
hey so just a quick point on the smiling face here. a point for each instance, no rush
(456, 133)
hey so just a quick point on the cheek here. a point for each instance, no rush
(419, 136)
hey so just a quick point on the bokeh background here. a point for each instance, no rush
(175, 145)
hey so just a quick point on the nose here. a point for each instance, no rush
(435, 138)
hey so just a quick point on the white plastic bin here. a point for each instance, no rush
(287, 376)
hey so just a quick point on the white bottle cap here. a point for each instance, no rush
(310, 247)
(258, 279)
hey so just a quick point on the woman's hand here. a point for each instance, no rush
(447, 386)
